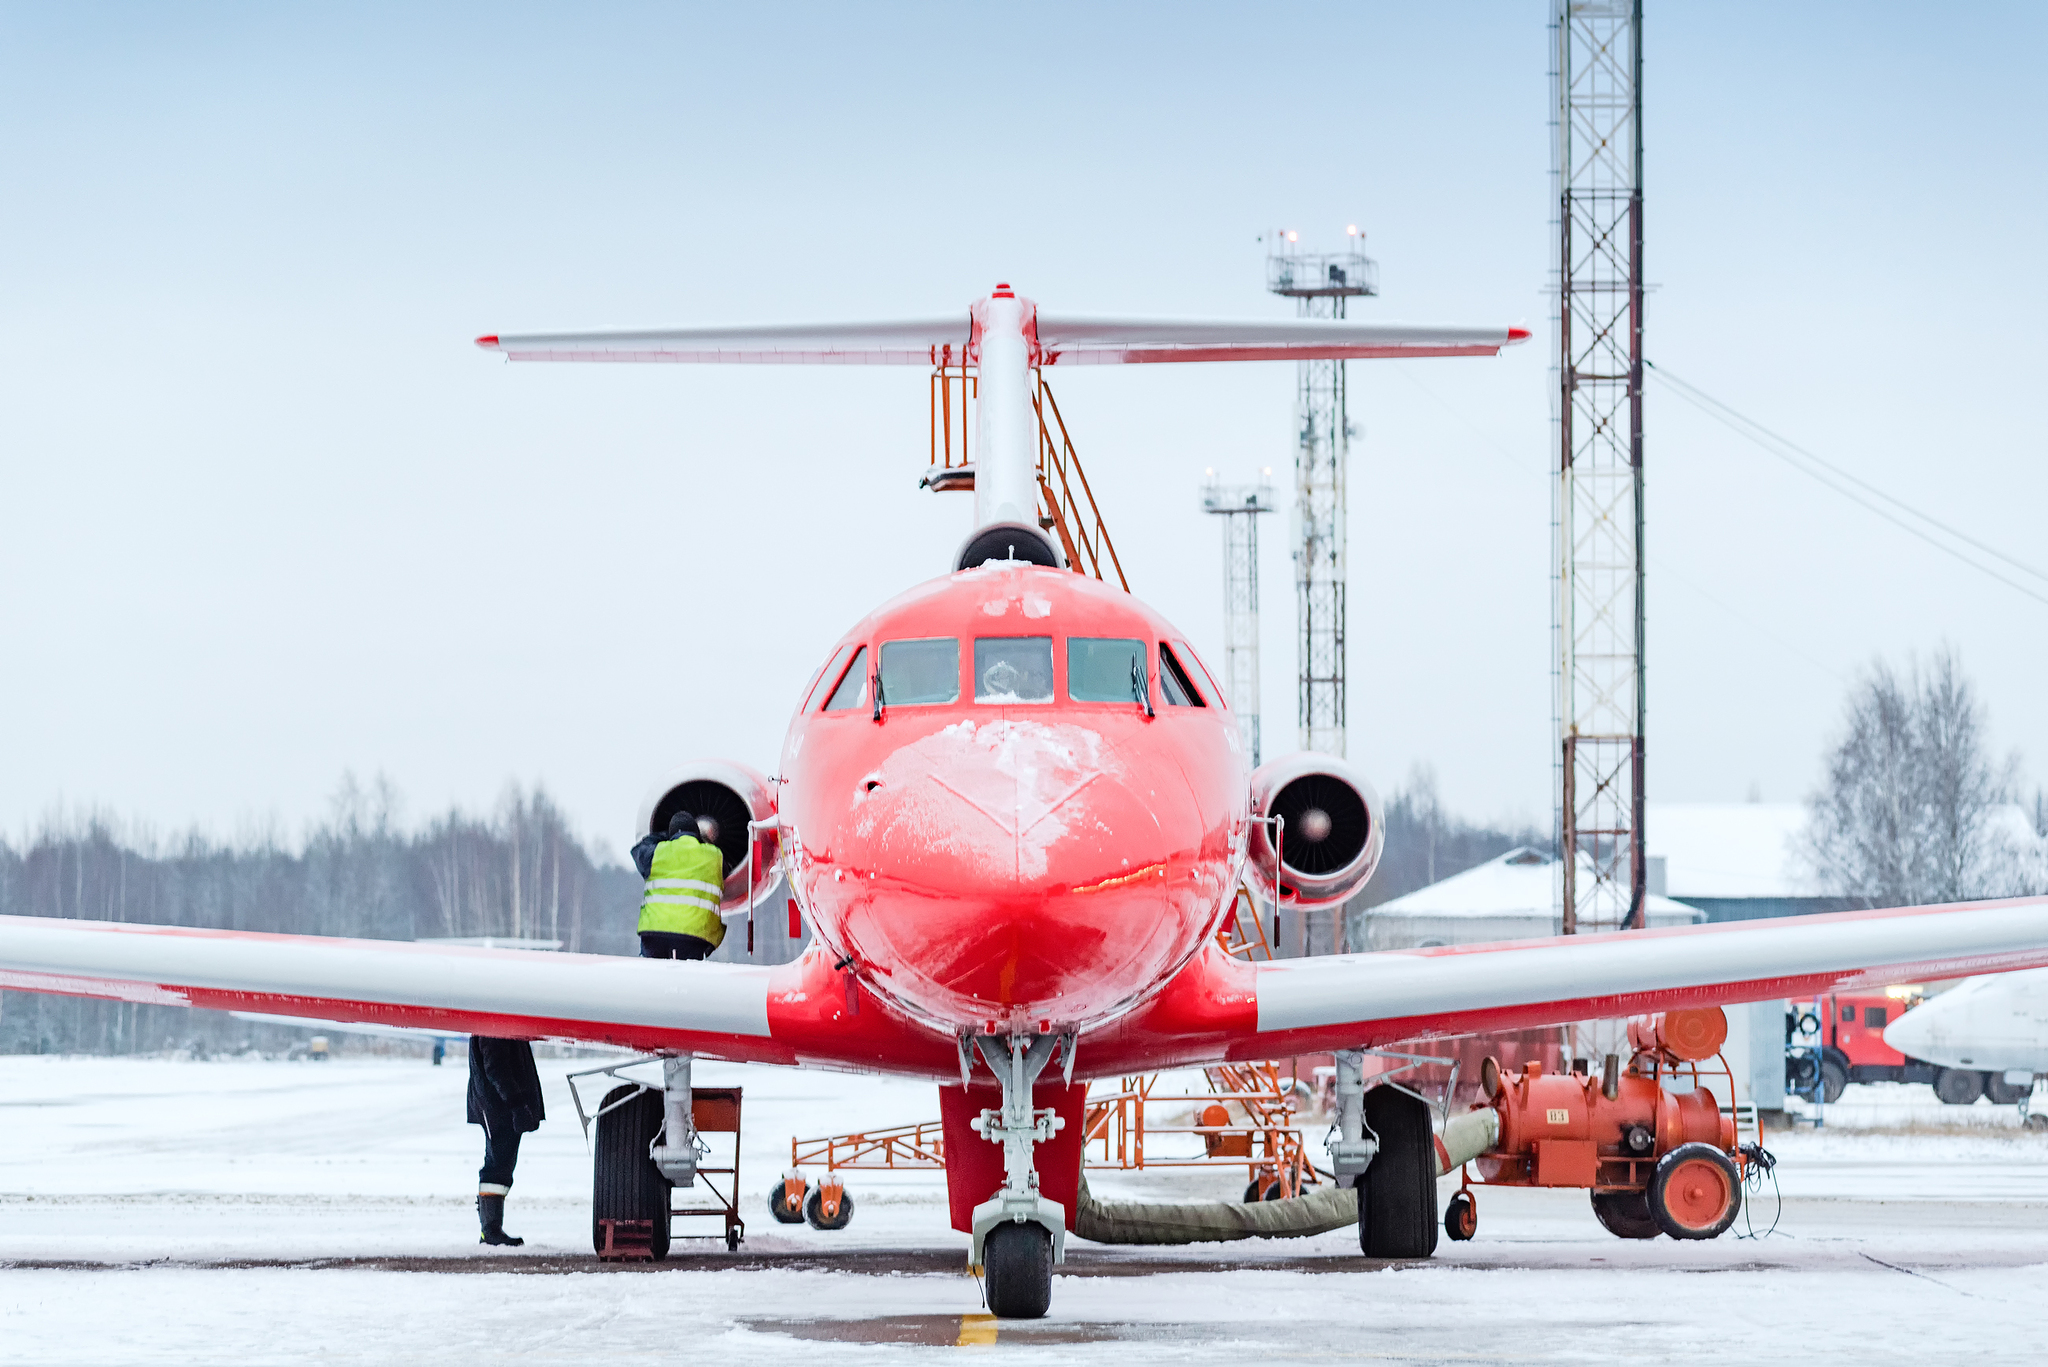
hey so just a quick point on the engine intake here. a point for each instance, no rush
(1330, 832)
(723, 797)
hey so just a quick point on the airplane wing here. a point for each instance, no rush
(1225, 1008)
(795, 1013)
(1059, 340)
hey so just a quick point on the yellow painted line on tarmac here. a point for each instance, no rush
(975, 1330)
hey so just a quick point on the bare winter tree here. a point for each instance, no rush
(1906, 814)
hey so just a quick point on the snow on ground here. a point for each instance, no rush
(160, 1211)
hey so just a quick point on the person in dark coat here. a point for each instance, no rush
(504, 1098)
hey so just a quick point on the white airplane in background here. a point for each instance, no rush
(1997, 1024)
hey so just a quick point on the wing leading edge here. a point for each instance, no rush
(1223, 1008)
(801, 1012)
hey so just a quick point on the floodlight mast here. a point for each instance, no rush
(1239, 505)
(1598, 613)
(1320, 283)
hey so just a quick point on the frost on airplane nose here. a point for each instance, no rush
(1028, 873)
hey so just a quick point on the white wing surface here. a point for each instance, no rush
(914, 342)
(1055, 340)
(1351, 999)
(1070, 340)
(715, 1009)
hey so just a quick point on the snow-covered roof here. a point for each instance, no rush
(1729, 849)
(1519, 883)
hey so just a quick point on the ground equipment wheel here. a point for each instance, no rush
(1254, 1191)
(625, 1184)
(781, 1209)
(1461, 1217)
(1016, 1262)
(1958, 1086)
(1833, 1078)
(1695, 1192)
(2003, 1093)
(1397, 1193)
(814, 1211)
(1625, 1214)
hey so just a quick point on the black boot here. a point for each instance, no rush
(490, 1213)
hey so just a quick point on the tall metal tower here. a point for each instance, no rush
(1239, 505)
(1597, 171)
(1320, 283)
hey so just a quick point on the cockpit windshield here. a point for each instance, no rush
(1013, 669)
(1101, 669)
(920, 672)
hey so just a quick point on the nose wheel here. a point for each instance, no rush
(1017, 1271)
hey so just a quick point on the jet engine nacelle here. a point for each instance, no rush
(1329, 830)
(723, 797)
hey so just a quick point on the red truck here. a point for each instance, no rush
(1851, 1031)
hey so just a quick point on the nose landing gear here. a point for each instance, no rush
(1018, 1235)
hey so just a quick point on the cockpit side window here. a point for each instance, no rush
(1174, 684)
(1013, 669)
(853, 685)
(821, 686)
(1214, 691)
(1100, 669)
(920, 672)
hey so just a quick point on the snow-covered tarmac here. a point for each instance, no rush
(162, 1211)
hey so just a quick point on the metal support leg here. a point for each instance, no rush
(1017, 1062)
(1351, 1152)
(675, 1150)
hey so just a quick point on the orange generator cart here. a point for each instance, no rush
(1657, 1159)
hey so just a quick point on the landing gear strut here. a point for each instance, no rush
(1018, 1234)
(675, 1152)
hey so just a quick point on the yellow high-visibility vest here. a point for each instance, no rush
(684, 885)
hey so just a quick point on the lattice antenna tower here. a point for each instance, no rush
(1239, 506)
(1320, 284)
(1597, 172)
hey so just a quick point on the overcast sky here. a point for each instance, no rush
(269, 517)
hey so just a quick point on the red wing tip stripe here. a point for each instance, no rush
(1517, 335)
(489, 342)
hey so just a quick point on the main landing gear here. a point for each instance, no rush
(1387, 1152)
(1018, 1235)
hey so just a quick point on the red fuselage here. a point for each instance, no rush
(1019, 840)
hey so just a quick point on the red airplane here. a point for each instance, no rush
(1014, 809)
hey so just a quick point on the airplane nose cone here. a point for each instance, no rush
(1911, 1033)
(1030, 873)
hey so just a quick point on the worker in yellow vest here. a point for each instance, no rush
(685, 882)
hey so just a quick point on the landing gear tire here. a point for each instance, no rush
(1397, 1193)
(1958, 1086)
(1833, 1078)
(1253, 1192)
(1695, 1192)
(1461, 1217)
(779, 1207)
(1626, 1214)
(814, 1211)
(1016, 1263)
(625, 1184)
(2003, 1093)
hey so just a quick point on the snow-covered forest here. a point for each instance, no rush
(519, 871)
